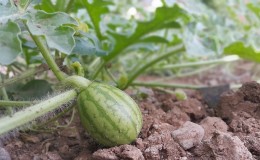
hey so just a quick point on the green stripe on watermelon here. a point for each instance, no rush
(89, 124)
(120, 108)
(129, 102)
(105, 118)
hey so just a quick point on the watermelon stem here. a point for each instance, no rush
(140, 69)
(8, 103)
(41, 44)
(33, 112)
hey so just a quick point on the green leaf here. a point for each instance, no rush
(245, 52)
(254, 9)
(95, 10)
(34, 89)
(84, 46)
(54, 27)
(10, 44)
(157, 23)
(8, 12)
(47, 6)
(153, 39)
(23, 4)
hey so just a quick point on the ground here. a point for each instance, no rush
(188, 130)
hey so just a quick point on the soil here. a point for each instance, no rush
(172, 129)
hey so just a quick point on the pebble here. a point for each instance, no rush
(188, 135)
(212, 124)
(4, 155)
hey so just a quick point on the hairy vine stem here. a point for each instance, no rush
(31, 113)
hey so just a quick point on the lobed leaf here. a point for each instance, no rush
(95, 10)
(84, 46)
(245, 52)
(143, 28)
(8, 12)
(54, 27)
(10, 44)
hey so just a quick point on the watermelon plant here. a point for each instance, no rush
(107, 113)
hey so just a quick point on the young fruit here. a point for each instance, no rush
(109, 115)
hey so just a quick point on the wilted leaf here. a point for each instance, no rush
(10, 44)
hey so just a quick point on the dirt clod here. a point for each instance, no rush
(223, 146)
(193, 108)
(246, 99)
(116, 153)
(189, 135)
(212, 124)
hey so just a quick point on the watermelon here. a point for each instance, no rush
(109, 115)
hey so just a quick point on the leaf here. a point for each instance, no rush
(153, 39)
(3, 2)
(8, 12)
(47, 6)
(254, 9)
(245, 52)
(88, 45)
(95, 10)
(54, 27)
(157, 23)
(34, 89)
(23, 4)
(50, 7)
(10, 44)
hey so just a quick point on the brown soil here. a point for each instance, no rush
(181, 130)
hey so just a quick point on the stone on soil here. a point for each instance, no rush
(117, 153)
(4, 155)
(212, 124)
(223, 146)
(189, 135)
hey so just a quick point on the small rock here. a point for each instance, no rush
(70, 132)
(53, 156)
(223, 146)
(29, 138)
(176, 117)
(116, 153)
(4, 155)
(244, 123)
(153, 152)
(159, 144)
(212, 124)
(252, 143)
(131, 153)
(189, 135)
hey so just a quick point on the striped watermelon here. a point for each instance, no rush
(109, 115)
